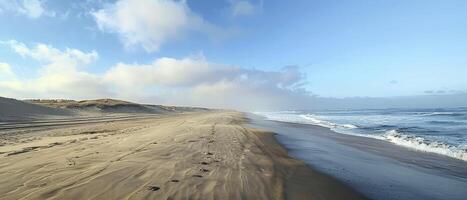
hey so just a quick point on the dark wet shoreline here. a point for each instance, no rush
(376, 168)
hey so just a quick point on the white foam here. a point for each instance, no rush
(437, 113)
(392, 136)
(294, 117)
(422, 144)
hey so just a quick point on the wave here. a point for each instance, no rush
(425, 145)
(447, 122)
(451, 114)
(395, 136)
(304, 119)
(327, 124)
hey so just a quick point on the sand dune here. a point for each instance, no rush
(12, 109)
(36, 109)
(112, 106)
(204, 155)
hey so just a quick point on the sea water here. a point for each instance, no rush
(440, 131)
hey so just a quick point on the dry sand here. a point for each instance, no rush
(205, 155)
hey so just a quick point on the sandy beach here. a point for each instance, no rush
(198, 155)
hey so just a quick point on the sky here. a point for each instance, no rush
(242, 54)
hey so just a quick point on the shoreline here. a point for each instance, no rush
(303, 182)
(393, 135)
(205, 155)
(376, 168)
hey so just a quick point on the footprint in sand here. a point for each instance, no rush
(153, 188)
(55, 144)
(70, 162)
(204, 170)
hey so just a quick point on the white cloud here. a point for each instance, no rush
(5, 71)
(8, 78)
(194, 71)
(47, 53)
(187, 81)
(169, 72)
(242, 8)
(197, 82)
(150, 23)
(30, 8)
(60, 74)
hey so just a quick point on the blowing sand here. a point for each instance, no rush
(206, 155)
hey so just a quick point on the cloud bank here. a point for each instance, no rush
(150, 23)
(197, 82)
(190, 81)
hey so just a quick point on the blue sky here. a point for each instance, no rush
(260, 49)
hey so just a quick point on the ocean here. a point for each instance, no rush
(440, 131)
(387, 154)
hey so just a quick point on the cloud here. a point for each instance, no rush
(190, 81)
(5, 71)
(194, 71)
(166, 72)
(197, 82)
(60, 75)
(150, 23)
(30, 8)
(247, 94)
(47, 53)
(242, 8)
(7, 77)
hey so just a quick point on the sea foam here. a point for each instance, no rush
(394, 136)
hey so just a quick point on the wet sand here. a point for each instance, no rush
(208, 155)
(378, 169)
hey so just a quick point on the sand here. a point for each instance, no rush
(12, 109)
(202, 155)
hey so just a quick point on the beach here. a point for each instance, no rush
(233, 99)
(193, 155)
